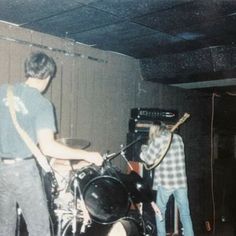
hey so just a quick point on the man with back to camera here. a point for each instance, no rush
(20, 182)
(169, 176)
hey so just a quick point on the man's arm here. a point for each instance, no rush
(50, 147)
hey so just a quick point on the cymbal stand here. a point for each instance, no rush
(86, 217)
(122, 153)
(60, 213)
(74, 210)
(109, 157)
(19, 213)
(59, 225)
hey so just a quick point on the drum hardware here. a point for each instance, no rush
(100, 195)
(73, 214)
(63, 212)
(60, 214)
(74, 210)
(19, 214)
(122, 153)
(110, 157)
(86, 217)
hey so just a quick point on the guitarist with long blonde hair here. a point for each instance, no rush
(169, 174)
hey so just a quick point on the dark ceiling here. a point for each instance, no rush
(188, 43)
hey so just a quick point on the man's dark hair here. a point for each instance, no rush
(40, 66)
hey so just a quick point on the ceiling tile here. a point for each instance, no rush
(23, 11)
(78, 20)
(132, 8)
(183, 16)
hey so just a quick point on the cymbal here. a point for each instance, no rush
(75, 142)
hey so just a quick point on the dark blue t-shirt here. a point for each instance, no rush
(34, 112)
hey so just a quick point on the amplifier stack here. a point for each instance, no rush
(142, 118)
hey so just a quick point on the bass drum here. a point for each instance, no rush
(106, 199)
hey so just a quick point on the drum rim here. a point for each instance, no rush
(92, 166)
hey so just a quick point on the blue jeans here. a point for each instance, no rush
(181, 199)
(20, 183)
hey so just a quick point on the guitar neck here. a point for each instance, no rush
(181, 121)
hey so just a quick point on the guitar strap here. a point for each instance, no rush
(42, 160)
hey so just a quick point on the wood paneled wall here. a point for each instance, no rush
(94, 91)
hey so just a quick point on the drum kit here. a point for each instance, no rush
(92, 200)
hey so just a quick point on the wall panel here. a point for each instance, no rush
(66, 95)
(4, 62)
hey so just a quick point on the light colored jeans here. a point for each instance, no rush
(21, 183)
(181, 199)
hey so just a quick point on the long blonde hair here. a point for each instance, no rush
(156, 130)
